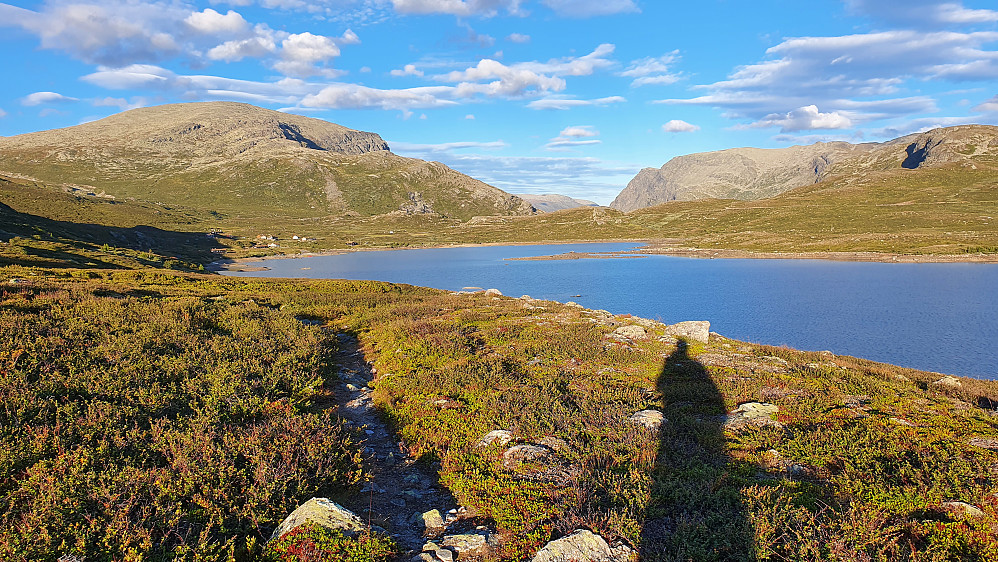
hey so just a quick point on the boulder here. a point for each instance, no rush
(949, 382)
(430, 520)
(324, 513)
(519, 454)
(466, 545)
(651, 419)
(581, 546)
(962, 509)
(500, 436)
(698, 330)
(757, 414)
(631, 332)
(493, 293)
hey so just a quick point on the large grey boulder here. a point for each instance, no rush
(519, 454)
(500, 436)
(758, 414)
(698, 330)
(324, 513)
(581, 546)
(631, 332)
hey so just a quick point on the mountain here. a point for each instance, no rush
(755, 173)
(238, 160)
(550, 202)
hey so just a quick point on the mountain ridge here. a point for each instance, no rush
(756, 173)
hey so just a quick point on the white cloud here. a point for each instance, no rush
(855, 77)
(430, 151)
(2, 113)
(927, 13)
(589, 8)
(679, 126)
(579, 131)
(806, 118)
(210, 21)
(989, 106)
(518, 38)
(919, 126)
(408, 70)
(469, 117)
(261, 45)
(353, 96)
(563, 103)
(485, 8)
(652, 70)
(39, 98)
(120, 103)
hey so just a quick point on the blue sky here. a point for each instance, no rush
(533, 96)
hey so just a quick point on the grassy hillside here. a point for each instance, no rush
(142, 421)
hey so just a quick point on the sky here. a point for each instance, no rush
(532, 96)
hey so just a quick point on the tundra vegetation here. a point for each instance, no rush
(154, 415)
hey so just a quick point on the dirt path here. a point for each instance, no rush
(400, 487)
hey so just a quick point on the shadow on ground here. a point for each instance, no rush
(696, 511)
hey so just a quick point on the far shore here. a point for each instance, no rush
(650, 247)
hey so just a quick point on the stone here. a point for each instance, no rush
(555, 444)
(519, 454)
(985, 443)
(962, 509)
(581, 546)
(500, 436)
(466, 544)
(324, 513)
(698, 330)
(651, 419)
(631, 332)
(758, 414)
(434, 553)
(430, 520)
(493, 293)
(949, 382)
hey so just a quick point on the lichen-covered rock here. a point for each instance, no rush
(466, 545)
(500, 436)
(324, 513)
(429, 521)
(651, 419)
(519, 454)
(493, 293)
(581, 546)
(962, 509)
(758, 414)
(631, 332)
(949, 382)
(698, 330)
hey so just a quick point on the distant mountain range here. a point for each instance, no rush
(550, 202)
(236, 159)
(755, 173)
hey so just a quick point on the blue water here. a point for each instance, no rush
(937, 317)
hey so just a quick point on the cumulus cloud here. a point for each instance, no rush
(652, 70)
(484, 8)
(589, 8)
(855, 77)
(680, 126)
(407, 70)
(120, 103)
(518, 38)
(210, 21)
(260, 45)
(39, 98)
(572, 137)
(354, 96)
(924, 13)
(806, 118)
(301, 52)
(563, 103)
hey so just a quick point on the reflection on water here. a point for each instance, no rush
(938, 317)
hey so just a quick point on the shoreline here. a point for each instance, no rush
(651, 247)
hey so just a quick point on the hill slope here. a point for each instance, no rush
(550, 202)
(754, 173)
(239, 160)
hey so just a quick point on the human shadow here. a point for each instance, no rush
(696, 510)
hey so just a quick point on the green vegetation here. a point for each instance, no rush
(161, 416)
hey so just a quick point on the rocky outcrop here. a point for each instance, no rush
(650, 419)
(698, 330)
(324, 513)
(551, 202)
(581, 546)
(755, 173)
(756, 414)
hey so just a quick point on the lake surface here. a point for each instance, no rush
(937, 317)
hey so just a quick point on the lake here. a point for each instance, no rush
(936, 317)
